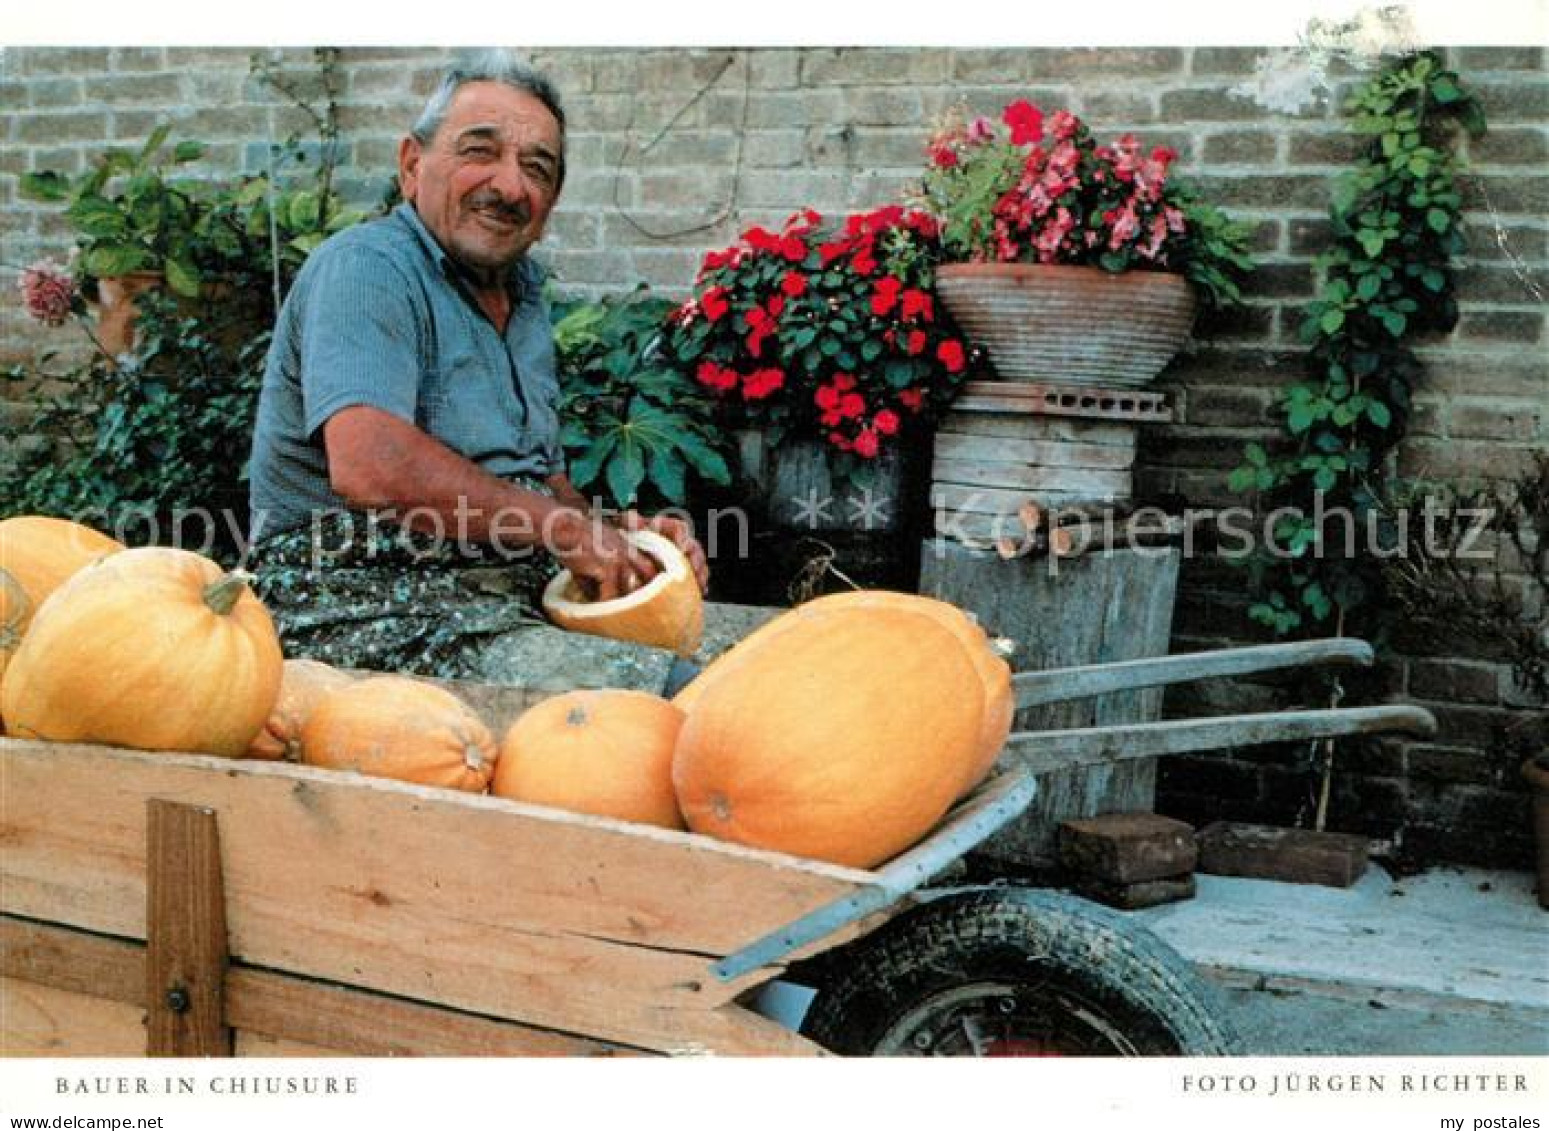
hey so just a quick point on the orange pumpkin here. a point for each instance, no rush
(41, 553)
(153, 648)
(391, 726)
(14, 607)
(303, 684)
(994, 672)
(843, 736)
(608, 753)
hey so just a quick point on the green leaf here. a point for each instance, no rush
(304, 211)
(585, 469)
(1241, 478)
(182, 277)
(186, 151)
(704, 459)
(1299, 418)
(1331, 321)
(667, 475)
(1438, 220)
(44, 186)
(112, 260)
(625, 471)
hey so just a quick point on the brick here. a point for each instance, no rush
(139, 59)
(775, 68)
(1209, 105)
(1085, 63)
(1142, 893)
(1456, 765)
(1501, 326)
(1127, 847)
(1231, 61)
(1005, 65)
(1240, 148)
(1509, 147)
(1282, 280)
(1499, 420)
(1298, 856)
(1227, 406)
(51, 129)
(63, 61)
(1508, 103)
(1279, 192)
(883, 107)
(1503, 284)
(1340, 149)
(49, 94)
(867, 66)
(118, 90)
(1500, 59)
(1102, 108)
(1456, 680)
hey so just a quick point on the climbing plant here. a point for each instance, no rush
(1386, 280)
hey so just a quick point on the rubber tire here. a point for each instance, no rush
(1051, 946)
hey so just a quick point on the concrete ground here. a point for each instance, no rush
(1452, 961)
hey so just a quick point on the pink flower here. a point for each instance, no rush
(48, 292)
(1025, 121)
(981, 129)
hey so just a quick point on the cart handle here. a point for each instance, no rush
(1056, 685)
(996, 804)
(1046, 750)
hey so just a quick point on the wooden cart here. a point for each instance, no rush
(185, 905)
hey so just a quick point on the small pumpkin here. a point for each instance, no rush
(41, 553)
(303, 684)
(392, 726)
(14, 608)
(842, 736)
(154, 648)
(604, 752)
(666, 612)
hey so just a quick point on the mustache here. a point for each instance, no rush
(514, 212)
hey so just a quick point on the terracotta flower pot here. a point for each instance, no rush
(1536, 771)
(116, 309)
(1072, 325)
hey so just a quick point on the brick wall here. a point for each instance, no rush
(673, 152)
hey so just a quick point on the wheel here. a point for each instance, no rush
(1014, 972)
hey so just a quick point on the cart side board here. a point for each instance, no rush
(564, 922)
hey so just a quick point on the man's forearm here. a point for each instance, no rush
(378, 462)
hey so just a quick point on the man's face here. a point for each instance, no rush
(484, 185)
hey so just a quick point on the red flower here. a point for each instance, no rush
(916, 304)
(943, 156)
(866, 444)
(916, 343)
(793, 249)
(829, 252)
(885, 296)
(794, 284)
(844, 382)
(864, 261)
(761, 383)
(839, 440)
(714, 376)
(852, 405)
(912, 399)
(776, 305)
(714, 303)
(761, 239)
(886, 422)
(1026, 122)
(950, 354)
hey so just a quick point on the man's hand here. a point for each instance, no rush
(679, 534)
(600, 558)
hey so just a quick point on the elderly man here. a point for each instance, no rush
(408, 487)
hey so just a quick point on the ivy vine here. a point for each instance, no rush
(1386, 279)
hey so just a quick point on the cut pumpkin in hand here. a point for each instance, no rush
(666, 612)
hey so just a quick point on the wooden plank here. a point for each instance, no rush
(1061, 749)
(997, 451)
(566, 922)
(185, 966)
(39, 1020)
(1047, 429)
(1042, 481)
(262, 1004)
(1045, 605)
(259, 1046)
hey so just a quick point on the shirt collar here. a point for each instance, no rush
(522, 281)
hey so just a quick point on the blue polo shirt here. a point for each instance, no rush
(380, 316)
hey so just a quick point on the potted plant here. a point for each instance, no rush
(135, 225)
(1072, 261)
(1441, 592)
(824, 344)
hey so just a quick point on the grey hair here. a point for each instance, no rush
(493, 65)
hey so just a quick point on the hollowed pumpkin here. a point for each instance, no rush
(666, 612)
(607, 753)
(153, 648)
(842, 736)
(303, 684)
(392, 726)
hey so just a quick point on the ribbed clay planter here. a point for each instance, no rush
(1071, 325)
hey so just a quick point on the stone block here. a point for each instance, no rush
(1126, 848)
(1142, 893)
(1268, 852)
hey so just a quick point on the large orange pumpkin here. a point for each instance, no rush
(153, 648)
(14, 608)
(666, 612)
(607, 752)
(843, 736)
(392, 726)
(41, 553)
(303, 684)
(994, 672)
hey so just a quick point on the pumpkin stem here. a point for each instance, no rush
(20, 607)
(222, 595)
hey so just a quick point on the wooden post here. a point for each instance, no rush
(185, 925)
